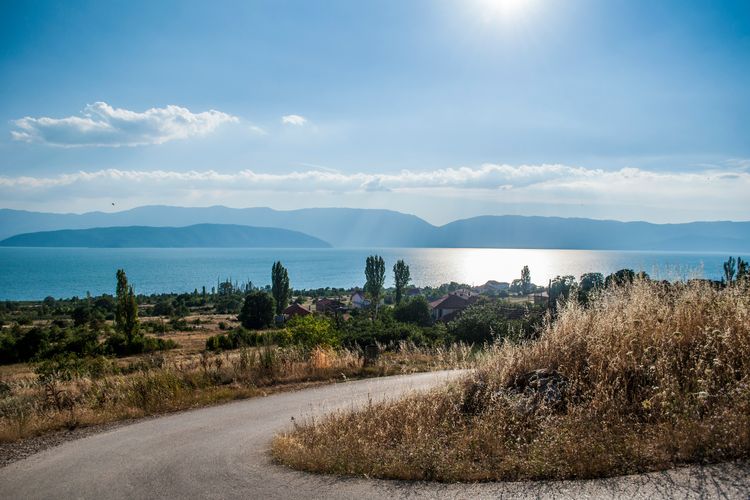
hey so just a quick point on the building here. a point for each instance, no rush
(445, 308)
(328, 306)
(295, 310)
(359, 300)
(493, 287)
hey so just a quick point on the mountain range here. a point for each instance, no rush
(347, 227)
(195, 236)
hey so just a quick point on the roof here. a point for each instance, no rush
(296, 309)
(449, 302)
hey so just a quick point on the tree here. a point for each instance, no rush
(619, 278)
(590, 282)
(743, 270)
(401, 277)
(729, 270)
(81, 315)
(121, 293)
(525, 280)
(280, 286)
(257, 310)
(559, 289)
(126, 308)
(375, 277)
(416, 311)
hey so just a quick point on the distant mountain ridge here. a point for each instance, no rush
(195, 236)
(370, 228)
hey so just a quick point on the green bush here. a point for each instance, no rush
(491, 321)
(415, 310)
(313, 331)
(240, 337)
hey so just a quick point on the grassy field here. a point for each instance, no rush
(646, 377)
(102, 390)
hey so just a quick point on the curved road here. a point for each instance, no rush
(222, 452)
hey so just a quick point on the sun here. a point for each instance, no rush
(503, 10)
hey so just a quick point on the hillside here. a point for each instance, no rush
(195, 236)
(346, 227)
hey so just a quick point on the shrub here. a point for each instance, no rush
(313, 331)
(496, 320)
(239, 337)
(415, 310)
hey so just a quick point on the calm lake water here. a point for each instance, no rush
(34, 273)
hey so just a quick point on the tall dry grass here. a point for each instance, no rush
(649, 376)
(31, 405)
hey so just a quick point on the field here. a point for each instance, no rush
(101, 390)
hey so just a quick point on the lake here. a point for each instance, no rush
(34, 273)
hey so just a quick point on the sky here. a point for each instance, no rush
(624, 109)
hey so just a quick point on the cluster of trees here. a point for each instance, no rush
(87, 336)
(260, 309)
(407, 320)
(562, 288)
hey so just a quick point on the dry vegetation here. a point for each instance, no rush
(106, 390)
(645, 377)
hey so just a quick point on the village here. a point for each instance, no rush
(445, 308)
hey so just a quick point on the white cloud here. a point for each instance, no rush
(102, 125)
(715, 193)
(293, 120)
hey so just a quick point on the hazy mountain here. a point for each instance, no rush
(195, 236)
(512, 231)
(346, 227)
(341, 227)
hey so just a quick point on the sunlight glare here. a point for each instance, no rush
(502, 10)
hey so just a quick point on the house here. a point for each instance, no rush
(445, 308)
(328, 306)
(413, 292)
(359, 300)
(493, 286)
(464, 293)
(295, 310)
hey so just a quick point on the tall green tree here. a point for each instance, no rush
(375, 277)
(525, 280)
(121, 293)
(729, 270)
(401, 277)
(280, 286)
(126, 307)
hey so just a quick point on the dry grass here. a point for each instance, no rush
(167, 382)
(656, 376)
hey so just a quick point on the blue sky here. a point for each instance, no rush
(621, 109)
